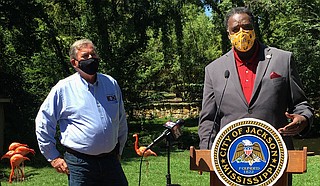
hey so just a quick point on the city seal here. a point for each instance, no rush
(249, 152)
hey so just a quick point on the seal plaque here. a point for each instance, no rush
(249, 152)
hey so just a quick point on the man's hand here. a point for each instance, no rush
(298, 123)
(60, 165)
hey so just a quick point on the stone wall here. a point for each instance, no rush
(167, 109)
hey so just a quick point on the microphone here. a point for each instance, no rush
(173, 128)
(226, 75)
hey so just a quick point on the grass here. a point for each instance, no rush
(312, 177)
(40, 173)
(45, 176)
(155, 174)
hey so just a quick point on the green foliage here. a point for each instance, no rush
(294, 26)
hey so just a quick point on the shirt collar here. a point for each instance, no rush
(85, 83)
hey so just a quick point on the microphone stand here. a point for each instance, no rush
(168, 176)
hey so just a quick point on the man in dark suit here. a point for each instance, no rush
(263, 84)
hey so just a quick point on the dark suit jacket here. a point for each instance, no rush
(271, 97)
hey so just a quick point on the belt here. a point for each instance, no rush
(103, 155)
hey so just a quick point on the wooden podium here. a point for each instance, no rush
(200, 160)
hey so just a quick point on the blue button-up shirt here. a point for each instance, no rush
(91, 117)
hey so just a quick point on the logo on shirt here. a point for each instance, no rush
(249, 152)
(111, 98)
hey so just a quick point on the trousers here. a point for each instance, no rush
(88, 170)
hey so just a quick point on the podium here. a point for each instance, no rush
(200, 160)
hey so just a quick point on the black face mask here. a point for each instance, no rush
(89, 66)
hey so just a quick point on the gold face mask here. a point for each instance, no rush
(243, 40)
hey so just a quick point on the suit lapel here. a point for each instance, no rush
(264, 59)
(234, 77)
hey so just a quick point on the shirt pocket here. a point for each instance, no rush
(112, 107)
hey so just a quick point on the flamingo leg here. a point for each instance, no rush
(11, 174)
(21, 173)
(16, 174)
(22, 170)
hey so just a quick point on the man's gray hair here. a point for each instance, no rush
(78, 45)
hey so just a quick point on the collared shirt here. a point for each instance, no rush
(91, 117)
(247, 72)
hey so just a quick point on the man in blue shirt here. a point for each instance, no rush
(88, 107)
